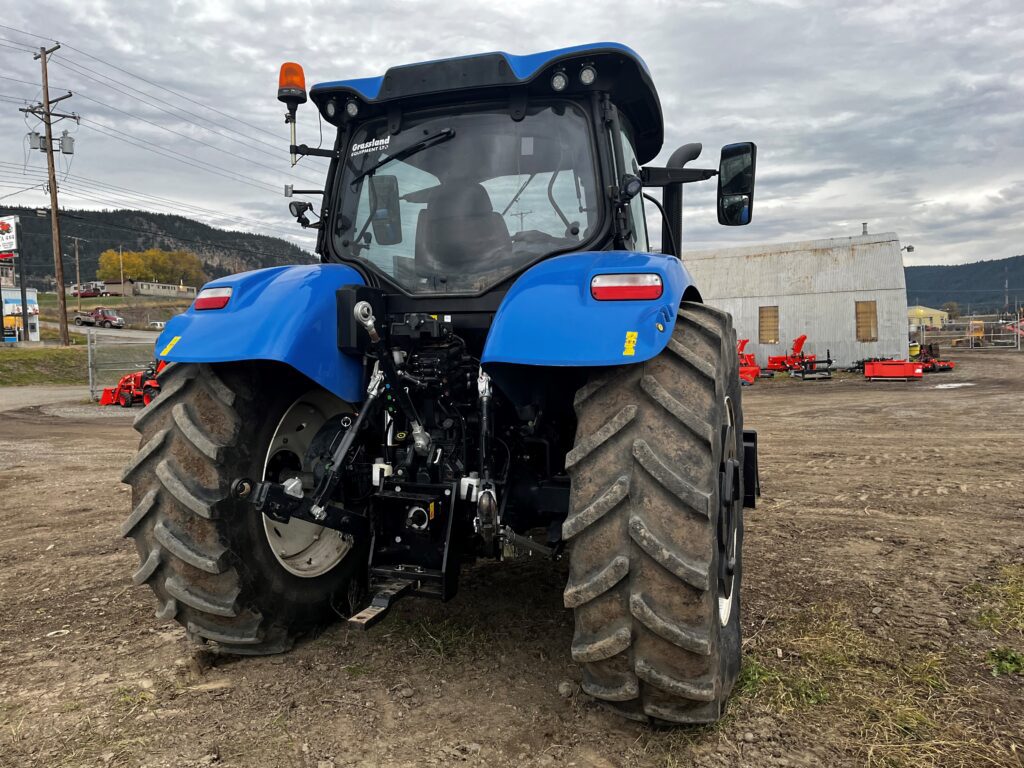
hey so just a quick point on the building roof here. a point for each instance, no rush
(862, 263)
(922, 309)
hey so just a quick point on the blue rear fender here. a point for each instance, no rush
(548, 317)
(285, 314)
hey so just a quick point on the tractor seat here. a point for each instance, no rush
(459, 232)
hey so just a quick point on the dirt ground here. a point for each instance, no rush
(883, 614)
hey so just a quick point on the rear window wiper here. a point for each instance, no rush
(438, 138)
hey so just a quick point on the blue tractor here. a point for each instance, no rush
(489, 360)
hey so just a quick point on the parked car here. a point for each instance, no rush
(157, 325)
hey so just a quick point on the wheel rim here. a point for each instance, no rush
(728, 532)
(303, 549)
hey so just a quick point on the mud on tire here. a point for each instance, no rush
(206, 556)
(642, 530)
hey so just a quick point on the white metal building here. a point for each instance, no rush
(848, 294)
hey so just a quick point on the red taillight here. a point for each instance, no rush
(213, 298)
(624, 287)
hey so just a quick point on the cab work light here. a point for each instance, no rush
(213, 298)
(626, 286)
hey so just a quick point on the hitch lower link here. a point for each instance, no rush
(283, 501)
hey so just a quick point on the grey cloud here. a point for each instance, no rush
(905, 115)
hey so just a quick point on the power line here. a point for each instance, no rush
(213, 218)
(26, 189)
(100, 196)
(149, 82)
(262, 185)
(165, 200)
(171, 156)
(187, 137)
(240, 178)
(77, 67)
(208, 167)
(176, 93)
(145, 207)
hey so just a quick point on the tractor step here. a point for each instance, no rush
(387, 593)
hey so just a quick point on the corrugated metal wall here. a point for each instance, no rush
(815, 284)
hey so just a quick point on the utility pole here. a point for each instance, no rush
(120, 258)
(45, 112)
(78, 273)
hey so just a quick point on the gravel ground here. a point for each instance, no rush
(884, 577)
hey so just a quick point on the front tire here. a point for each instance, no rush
(655, 553)
(205, 555)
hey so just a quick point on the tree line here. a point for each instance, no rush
(152, 265)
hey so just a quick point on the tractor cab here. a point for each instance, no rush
(451, 177)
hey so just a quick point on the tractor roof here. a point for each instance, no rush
(620, 71)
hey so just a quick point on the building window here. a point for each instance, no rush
(768, 325)
(867, 321)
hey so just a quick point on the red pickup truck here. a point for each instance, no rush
(101, 316)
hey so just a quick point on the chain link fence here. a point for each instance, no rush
(110, 358)
(967, 334)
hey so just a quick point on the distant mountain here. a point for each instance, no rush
(978, 287)
(221, 251)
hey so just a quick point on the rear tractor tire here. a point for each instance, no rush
(219, 568)
(655, 528)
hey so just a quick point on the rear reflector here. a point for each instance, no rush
(625, 287)
(213, 298)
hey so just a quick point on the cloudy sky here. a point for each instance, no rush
(907, 115)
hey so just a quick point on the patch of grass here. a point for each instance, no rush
(443, 640)
(129, 699)
(358, 670)
(1001, 602)
(780, 690)
(893, 709)
(1005, 661)
(43, 365)
(927, 673)
(47, 333)
(820, 648)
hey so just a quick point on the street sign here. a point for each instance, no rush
(8, 234)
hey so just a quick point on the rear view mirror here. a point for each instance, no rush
(736, 184)
(386, 216)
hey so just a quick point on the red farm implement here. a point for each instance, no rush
(136, 387)
(929, 356)
(893, 370)
(801, 365)
(749, 369)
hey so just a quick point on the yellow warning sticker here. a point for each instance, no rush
(170, 345)
(630, 347)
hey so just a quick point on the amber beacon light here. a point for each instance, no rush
(291, 89)
(291, 85)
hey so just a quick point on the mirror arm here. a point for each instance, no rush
(302, 149)
(663, 177)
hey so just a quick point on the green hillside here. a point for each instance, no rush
(221, 251)
(979, 287)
